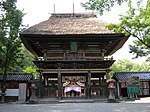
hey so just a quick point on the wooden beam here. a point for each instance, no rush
(74, 70)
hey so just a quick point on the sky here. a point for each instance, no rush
(40, 10)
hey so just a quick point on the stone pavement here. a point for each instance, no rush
(142, 105)
(76, 107)
(142, 100)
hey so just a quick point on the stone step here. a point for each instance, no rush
(50, 100)
(76, 101)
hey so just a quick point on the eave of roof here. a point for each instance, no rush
(17, 77)
(123, 76)
(26, 38)
(62, 27)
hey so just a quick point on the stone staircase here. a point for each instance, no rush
(55, 100)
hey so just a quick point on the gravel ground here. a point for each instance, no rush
(77, 107)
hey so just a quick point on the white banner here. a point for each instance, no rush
(75, 88)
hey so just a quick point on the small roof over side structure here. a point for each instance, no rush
(124, 76)
(17, 76)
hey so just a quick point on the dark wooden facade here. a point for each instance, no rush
(72, 55)
(17, 86)
(122, 79)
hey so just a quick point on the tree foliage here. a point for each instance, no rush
(10, 44)
(27, 65)
(136, 23)
(101, 5)
(24, 61)
(31, 69)
(129, 66)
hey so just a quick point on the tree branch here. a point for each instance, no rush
(142, 41)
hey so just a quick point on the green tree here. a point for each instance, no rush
(101, 5)
(129, 66)
(31, 69)
(136, 23)
(10, 44)
(24, 61)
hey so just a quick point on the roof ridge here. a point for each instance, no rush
(73, 15)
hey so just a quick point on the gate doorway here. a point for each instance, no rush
(74, 85)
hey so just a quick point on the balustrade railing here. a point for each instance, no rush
(74, 56)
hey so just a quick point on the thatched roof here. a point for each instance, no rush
(60, 24)
(75, 26)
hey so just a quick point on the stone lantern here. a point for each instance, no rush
(33, 99)
(111, 87)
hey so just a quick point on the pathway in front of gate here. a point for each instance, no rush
(76, 107)
(142, 100)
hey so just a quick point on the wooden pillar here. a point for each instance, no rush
(103, 80)
(40, 84)
(103, 89)
(59, 85)
(118, 89)
(45, 57)
(103, 54)
(88, 88)
(101, 85)
(107, 76)
(100, 80)
(106, 88)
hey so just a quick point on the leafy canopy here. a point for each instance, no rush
(10, 44)
(101, 5)
(136, 23)
(129, 66)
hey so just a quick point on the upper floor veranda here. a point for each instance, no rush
(75, 51)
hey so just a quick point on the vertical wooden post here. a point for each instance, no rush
(107, 77)
(64, 58)
(103, 55)
(88, 92)
(59, 85)
(118, 89)
(100, 85)
(45, 54)
(103, 89)
(100, 80)
(40, 84)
